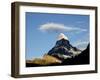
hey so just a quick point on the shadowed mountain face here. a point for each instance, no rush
(63, 49)
(82, 58)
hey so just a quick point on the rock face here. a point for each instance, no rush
(63, 49)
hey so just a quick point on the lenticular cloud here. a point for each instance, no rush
(56, 27)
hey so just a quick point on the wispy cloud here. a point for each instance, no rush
(80, 22)
(81, 44)
(56, 27)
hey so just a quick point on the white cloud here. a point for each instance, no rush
(81, 44)
(56, 27)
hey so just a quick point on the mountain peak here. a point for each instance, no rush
(62, 36)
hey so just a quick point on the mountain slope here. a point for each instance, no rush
(63, 49)
(45, 60)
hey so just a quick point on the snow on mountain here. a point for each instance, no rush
(62, 36)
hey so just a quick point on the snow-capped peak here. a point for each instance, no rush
(62, 36)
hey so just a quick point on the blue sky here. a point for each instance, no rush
(42, 30)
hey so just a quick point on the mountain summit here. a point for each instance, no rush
(62, 36)
(63, 49)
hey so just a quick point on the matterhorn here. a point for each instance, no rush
(63, 49)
